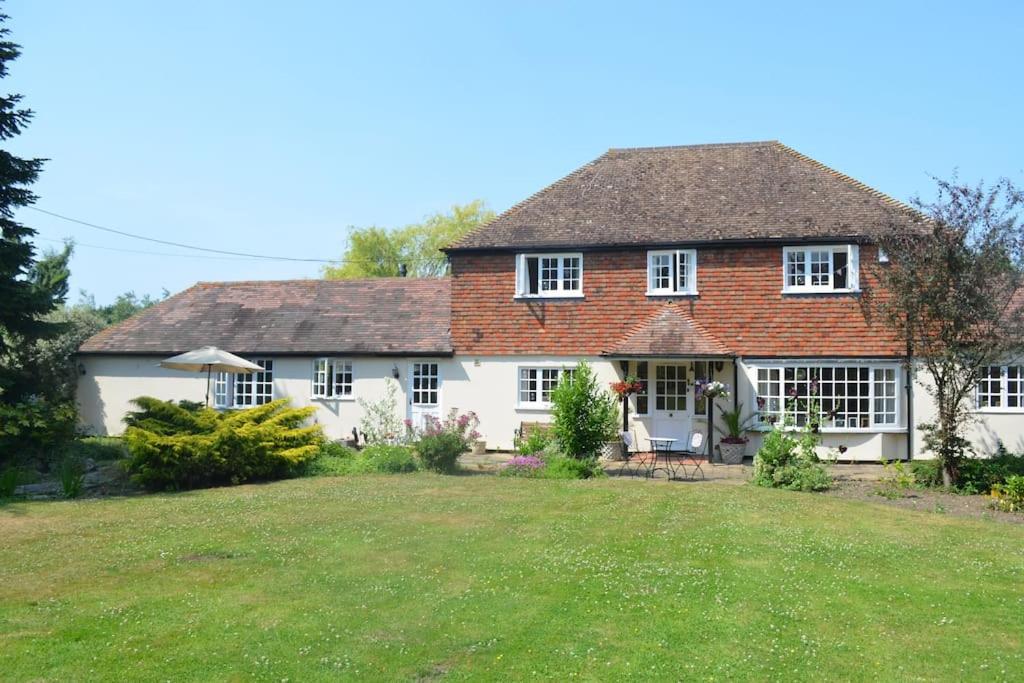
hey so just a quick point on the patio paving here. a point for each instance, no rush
(713, 472)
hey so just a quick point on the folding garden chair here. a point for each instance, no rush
(632, 460)
(691, 456)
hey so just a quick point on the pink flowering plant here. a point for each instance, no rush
(440, 442)
(523, 466)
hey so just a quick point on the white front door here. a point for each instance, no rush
(673, 406)
(424, 392)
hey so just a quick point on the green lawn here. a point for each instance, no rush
(483, 577)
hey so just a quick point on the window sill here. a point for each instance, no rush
(534, 407)
(999, 411)
(880, 429)
(673, 294)
(325, 399)
(819, 292)
(545, 297)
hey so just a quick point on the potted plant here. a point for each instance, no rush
(733, 443)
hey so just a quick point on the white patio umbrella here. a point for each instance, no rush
(210, 359)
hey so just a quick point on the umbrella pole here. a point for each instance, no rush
(209, 368)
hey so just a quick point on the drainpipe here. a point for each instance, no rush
(910, 402)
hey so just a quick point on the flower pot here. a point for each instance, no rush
(479, 447)
(612, 450)
(732, 453)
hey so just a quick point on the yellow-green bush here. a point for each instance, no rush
(175, 446)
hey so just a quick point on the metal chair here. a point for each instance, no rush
(631, 460)
(691, 457)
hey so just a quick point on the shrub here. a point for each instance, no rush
(71, 475)
(98, 448)
(535, 442)
(175, 447)
(585, 415)
(35, 428)
(1009, 495)
(523, 466)
(384, 459)
(976, 475)
(561, 467)
(927, 473)
(441, 443)
(789, 462)
(333, 460)
(380, 422)
(896, 478)
(8, 482)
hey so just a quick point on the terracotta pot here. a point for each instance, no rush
(732, 453)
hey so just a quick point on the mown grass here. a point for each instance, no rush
(424, 576)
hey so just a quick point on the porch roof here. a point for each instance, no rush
(670, 332)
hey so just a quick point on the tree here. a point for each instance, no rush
(953, 290)
(380, 252)
(28, 290)
(124, 306)
(585, 415)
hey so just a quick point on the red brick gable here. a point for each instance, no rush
(740, 303)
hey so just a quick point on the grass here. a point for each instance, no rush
(424, 576)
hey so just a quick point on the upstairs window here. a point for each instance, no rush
(672, 272)
(332, 378)
(1002, 389)
(549, 275)
(243, 391)
(821, 269)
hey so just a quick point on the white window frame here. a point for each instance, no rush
(852, 268)
(226, 387)
(325, 380)
(876, 377)
(560, 291)
(677, 287)
(538, 381)
(1004, 393)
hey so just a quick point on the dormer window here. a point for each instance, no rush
(549, 275)
(672, 272)
(818, 268)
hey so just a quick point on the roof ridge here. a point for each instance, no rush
(703, 145)
(285, 281)
(878, 194)
(518, 205)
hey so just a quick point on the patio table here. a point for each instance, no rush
(661, 447)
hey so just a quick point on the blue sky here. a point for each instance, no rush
(276, 126)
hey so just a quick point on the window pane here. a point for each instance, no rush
(990, 388)
(820, 268)
(532, 276)
(795, 269)
(642, 397)
(839, 270)
(571, 273)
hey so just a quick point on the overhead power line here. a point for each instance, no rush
(179, 244)
(140, 251)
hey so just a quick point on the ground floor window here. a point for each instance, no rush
(536, 385)
(1001, 386)
(242, 391)
(332, 378)
(838, 396)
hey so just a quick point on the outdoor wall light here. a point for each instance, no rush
(719, 365)
(394, 372)
(81, 369)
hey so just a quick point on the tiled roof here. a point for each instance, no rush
(377, 316)
(699, 193)
(669, 332)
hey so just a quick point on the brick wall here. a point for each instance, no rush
(740, 302)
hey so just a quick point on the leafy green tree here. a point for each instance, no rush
(124, 306)
(585, 415)
(955, 297)
(380, 252)
(28, 289)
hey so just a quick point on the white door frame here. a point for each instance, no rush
(416, 411)
(672, 423)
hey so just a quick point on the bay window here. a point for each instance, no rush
(847, 397)
(549, 275)
(821, 268)
(672, 272)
